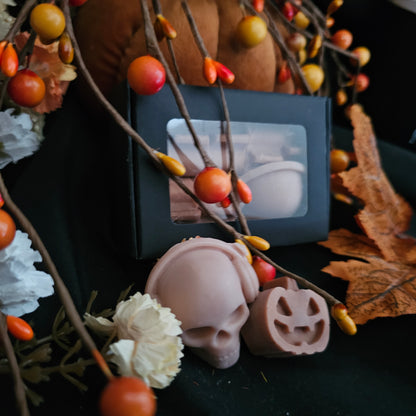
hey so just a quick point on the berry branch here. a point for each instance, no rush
(19, 387)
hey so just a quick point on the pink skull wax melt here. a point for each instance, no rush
(285, 321)
(207, 284)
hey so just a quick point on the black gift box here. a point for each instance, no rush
(281, 146)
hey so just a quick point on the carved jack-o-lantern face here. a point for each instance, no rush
(287, 322)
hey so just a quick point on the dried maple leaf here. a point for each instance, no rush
(385, 214)
(377, 287)
(383, 281)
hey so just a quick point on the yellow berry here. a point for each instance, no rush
(363, 55)
(314, 76)
(314, 46)
(251, 31)
(257, 242)
(48, 21)
(300, 20)
(172, 165)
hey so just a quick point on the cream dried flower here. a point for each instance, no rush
(156, 363)
(141, 318)
(21, 285)
(149, 344)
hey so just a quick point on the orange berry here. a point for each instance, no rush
(342, 38)
(212, 185)
(7, 229)
(339, 160)
(244, 192)
(9, 61)
(146, 75)
(127, 396)
(26, 88)
(19, 328)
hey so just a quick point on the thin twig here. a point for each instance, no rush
(233, 197)
(158, 10)
(100, 96)
(194, 29)
(60, 287)
(19, 388)
(154, 47)
(20, 19)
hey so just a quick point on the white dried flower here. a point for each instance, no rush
(149, 343)
(17, 140)
(21, 285)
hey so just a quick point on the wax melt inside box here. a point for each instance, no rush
(281, 148)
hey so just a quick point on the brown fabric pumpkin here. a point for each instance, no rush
(111, 34)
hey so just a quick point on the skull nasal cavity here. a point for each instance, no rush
(222, 337)
(283, 307)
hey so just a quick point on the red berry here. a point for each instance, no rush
(362, 82)
(127, 396)
(265, 271)
(288, 11)
(284, 74)
(226, 202)
(212, 185)
(26, 88)
(146, 75)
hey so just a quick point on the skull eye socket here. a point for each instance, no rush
(236, 315)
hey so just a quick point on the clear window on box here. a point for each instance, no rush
(270, 158)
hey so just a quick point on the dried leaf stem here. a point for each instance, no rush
(19, 388)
